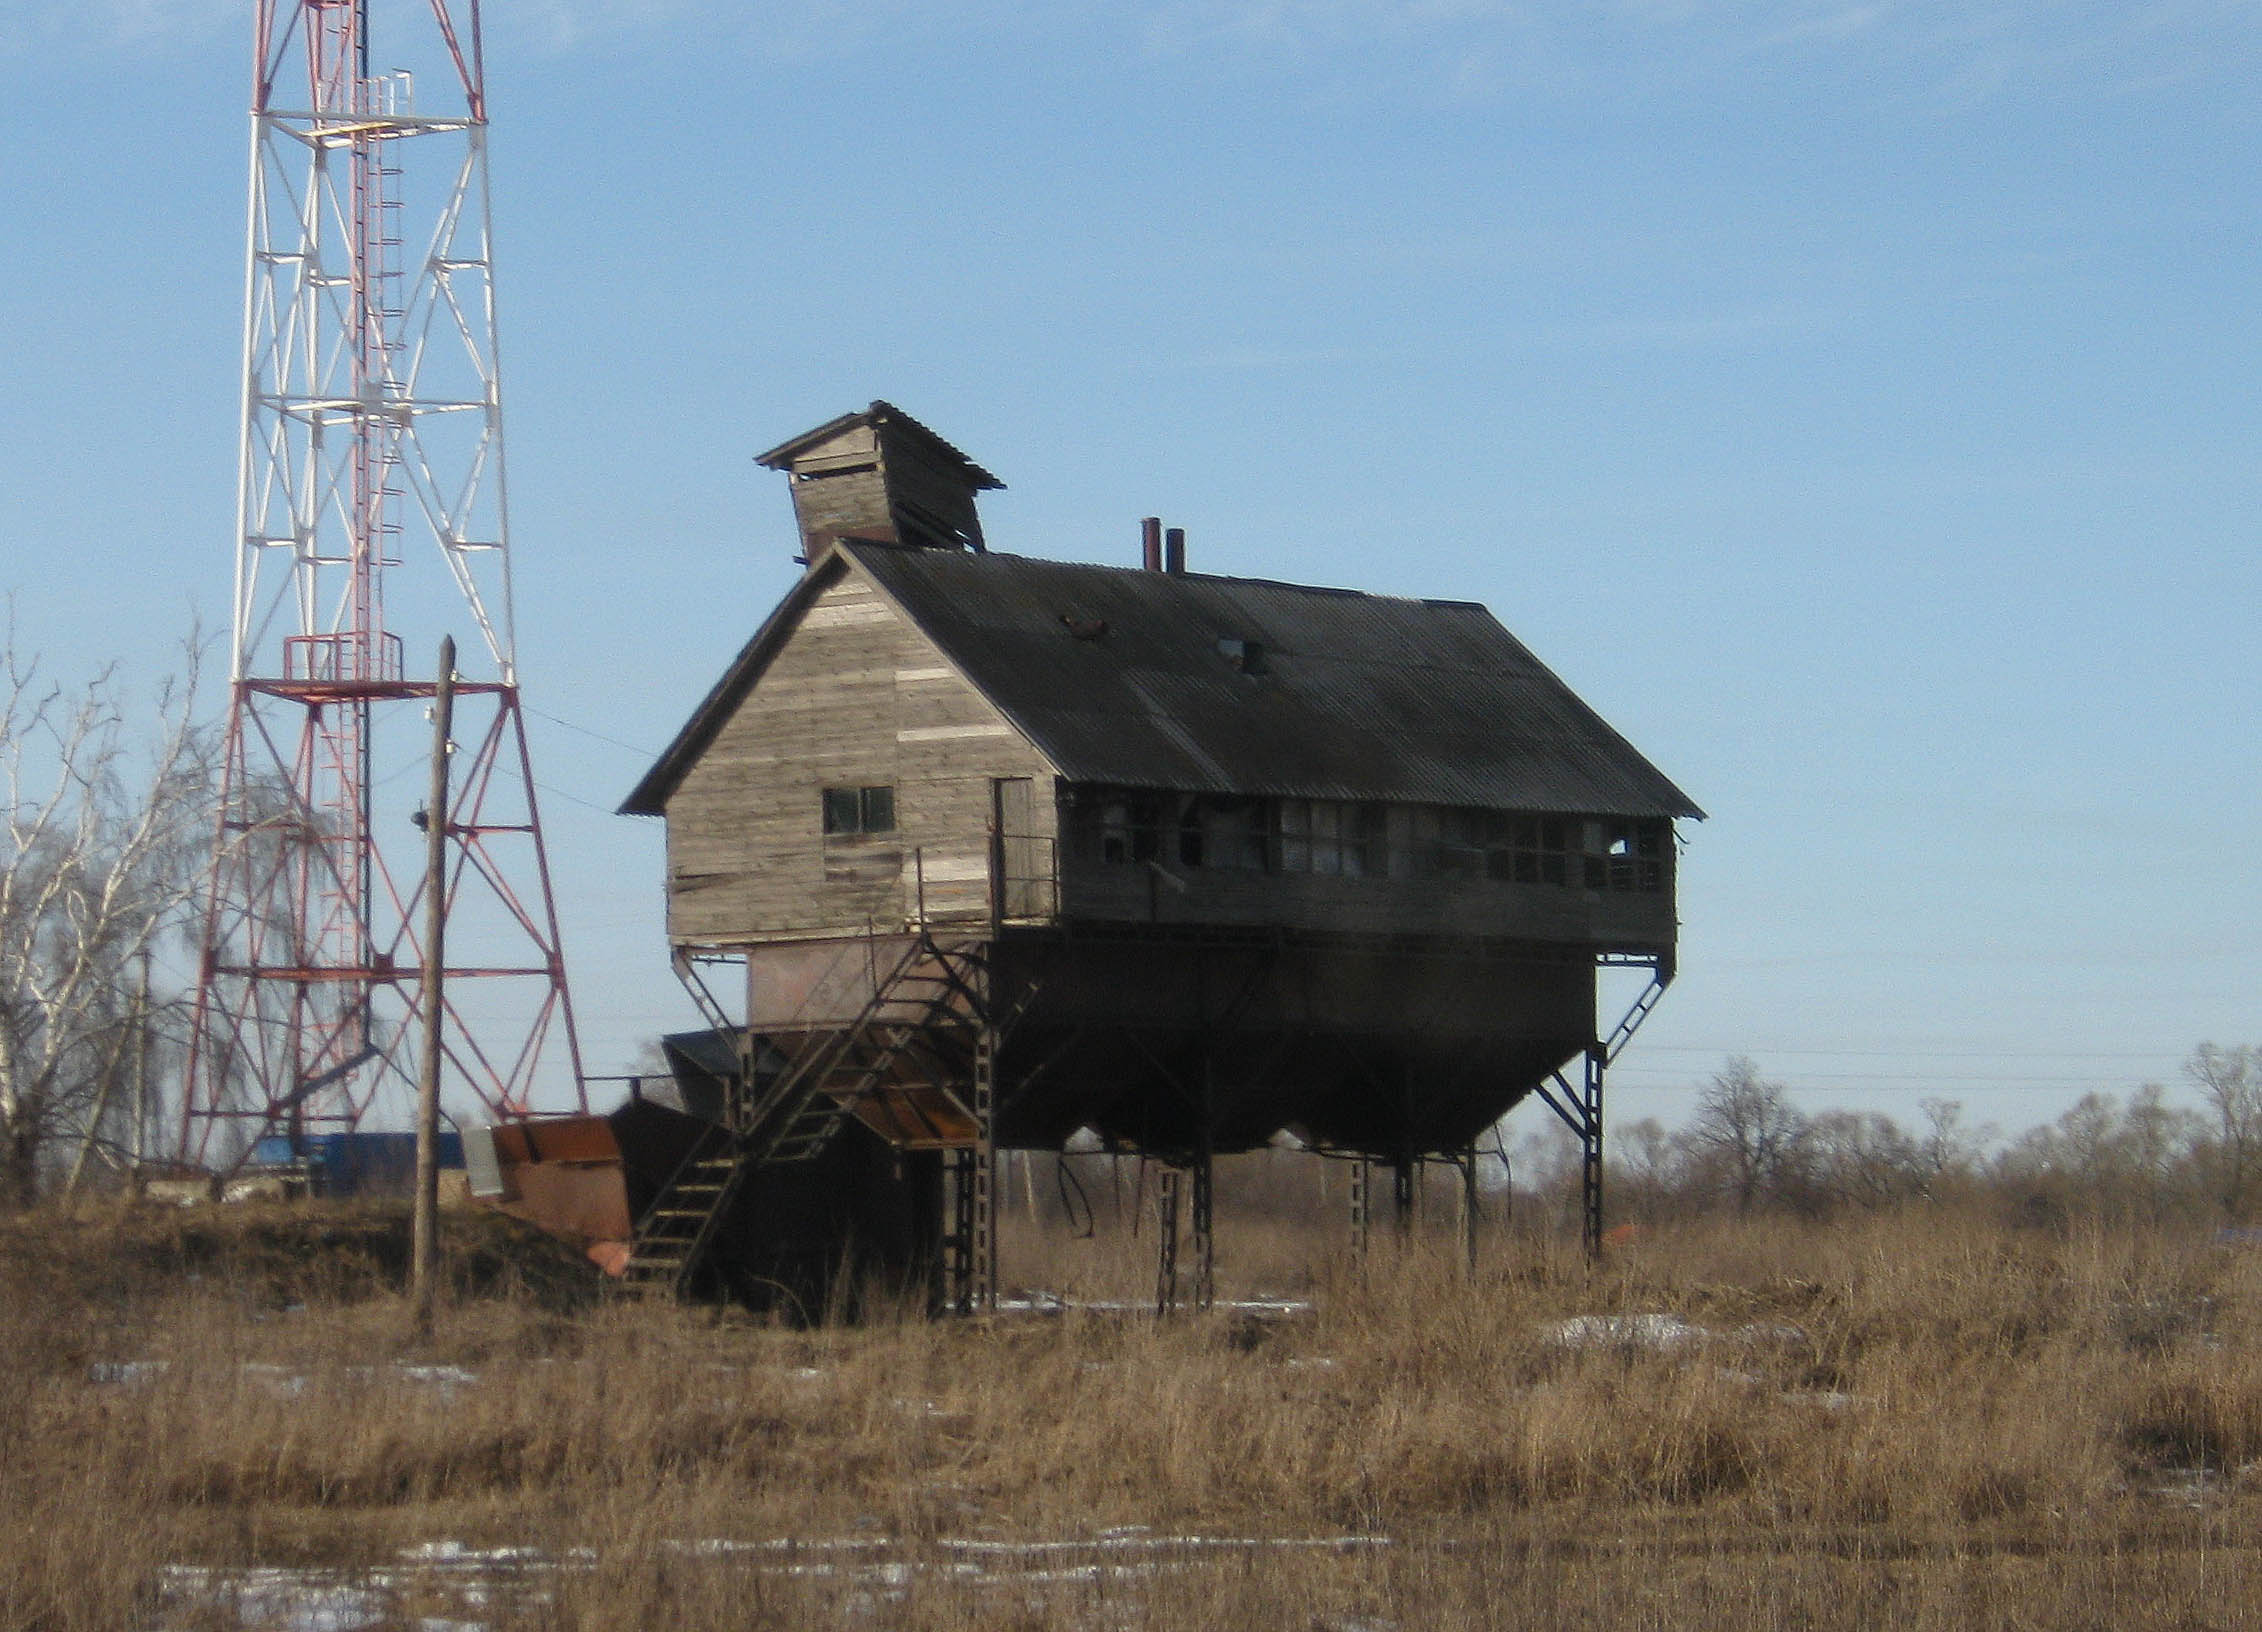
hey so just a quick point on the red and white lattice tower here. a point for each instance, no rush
(371, 509)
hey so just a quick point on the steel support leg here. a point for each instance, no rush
(1590, 1153)
(1467, 1163)
(1403, 1174)
(1205, 1239)
(1166, 1241)
(1362, 1203)
(957, 1290)
(982, 1222)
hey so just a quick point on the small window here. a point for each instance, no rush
(1121, 828)
(859, 810)
(1247, 656)
(1227, 833)
(1332, 836)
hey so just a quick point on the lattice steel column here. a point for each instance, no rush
(371, 505)
(957, 1264)
(1590, 1151)
(982, 1215)
(1362, 1204)
(1205, 1230)
(1166, 1241)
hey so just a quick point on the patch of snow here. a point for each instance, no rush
(126, 1373)
(1053, 1303)
(717, 1547)
(443, 1377)
(280, 1599)
(280, 1381)
(1655, 1332)
(2193, 1487)
(1832, 1401)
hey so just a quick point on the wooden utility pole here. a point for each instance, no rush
(426, 1239)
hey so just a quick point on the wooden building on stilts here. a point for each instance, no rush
(996, 849)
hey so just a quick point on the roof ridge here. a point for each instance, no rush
(1147, 573)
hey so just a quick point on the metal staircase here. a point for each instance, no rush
(674, 1232)
(926, 1010)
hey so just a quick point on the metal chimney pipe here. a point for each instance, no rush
(1150, 536)
(1174, 550)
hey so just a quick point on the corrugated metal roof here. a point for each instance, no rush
(1357, 696)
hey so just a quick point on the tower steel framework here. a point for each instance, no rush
(371, 459)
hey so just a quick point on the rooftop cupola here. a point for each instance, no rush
(882, 476)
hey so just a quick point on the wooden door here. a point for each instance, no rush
(1021, 879)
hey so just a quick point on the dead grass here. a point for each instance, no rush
(1914, 1421)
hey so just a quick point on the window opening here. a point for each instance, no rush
(1333, 837)
(859, 810)
(1124, 829)
(1233, 834)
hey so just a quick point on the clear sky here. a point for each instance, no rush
(1857, 402)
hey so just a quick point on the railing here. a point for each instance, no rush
(1017, 882)
(341, 657)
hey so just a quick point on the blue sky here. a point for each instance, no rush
(1857, 402)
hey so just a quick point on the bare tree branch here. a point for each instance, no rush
(105, 821)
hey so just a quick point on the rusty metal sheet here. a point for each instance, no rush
(578, 1203)
(556, 1139)
(917, 1116)
(563, 1175)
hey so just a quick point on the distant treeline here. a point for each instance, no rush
(1750, 1147)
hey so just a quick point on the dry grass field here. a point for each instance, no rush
(215, 1421)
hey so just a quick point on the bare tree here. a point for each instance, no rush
(2084, 1150)
(1861, 1158)
(2159, 1141)
(1647, 1167)
(1950, 1149)
(1748, 1130)
(107, 814)
(2230, 1079)
(2132, 1162)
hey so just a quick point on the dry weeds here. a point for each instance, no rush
(1911, 1421)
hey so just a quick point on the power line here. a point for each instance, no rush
(1620, 1074)
(1757, 1050)
(634, 748)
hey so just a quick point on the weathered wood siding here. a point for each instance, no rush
(867, 478)
(837, 486)
(855, 697)
(927, 501)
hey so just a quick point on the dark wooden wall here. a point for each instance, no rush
(1148, 893)
(1164, 1039)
